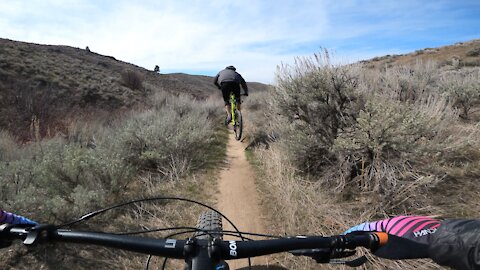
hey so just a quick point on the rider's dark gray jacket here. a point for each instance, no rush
(228, 75)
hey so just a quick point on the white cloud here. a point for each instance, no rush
(207, 35)
(173, 34)
(196, 37)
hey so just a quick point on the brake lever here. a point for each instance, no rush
(34, 233)
(323, 255)
(326, 255)
(352, 263)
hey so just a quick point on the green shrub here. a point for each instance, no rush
(463, 88)
(173, 139)
(314, 100)
(474, 52)
(471, 63)
(55, 179)
(63, 180)
(260, 123)
(403, 83)
(132, 79)
(362, 130)
(386, 138)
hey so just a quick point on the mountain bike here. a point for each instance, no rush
(205, 248)
(236, 121)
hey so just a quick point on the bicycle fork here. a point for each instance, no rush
(234, 116)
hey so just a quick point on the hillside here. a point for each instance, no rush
(460, 54)
(52, 83)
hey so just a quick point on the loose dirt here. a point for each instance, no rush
(238, 198)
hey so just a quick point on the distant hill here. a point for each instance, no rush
(461, 54)
(49, 83)
(200, 85)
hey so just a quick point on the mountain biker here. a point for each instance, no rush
(450, 242)
(228, 80)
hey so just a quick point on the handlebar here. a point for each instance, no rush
(183, 249)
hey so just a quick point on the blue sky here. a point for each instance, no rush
(202, 37)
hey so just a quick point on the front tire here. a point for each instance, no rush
(238, 126)
(210, 224)
(209, 221)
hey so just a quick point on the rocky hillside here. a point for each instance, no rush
(46, 84)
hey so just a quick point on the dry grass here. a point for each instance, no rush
(160, 214)
(170, 214)
(300, 207)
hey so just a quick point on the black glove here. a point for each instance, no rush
(456, 244)
(246, 94)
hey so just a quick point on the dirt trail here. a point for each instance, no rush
(238, 197)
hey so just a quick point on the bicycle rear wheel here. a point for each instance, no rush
(238, 126)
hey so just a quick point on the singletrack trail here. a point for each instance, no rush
(238, 198)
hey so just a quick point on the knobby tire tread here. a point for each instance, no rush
(209, 221)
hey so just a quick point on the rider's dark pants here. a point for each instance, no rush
(227, 88)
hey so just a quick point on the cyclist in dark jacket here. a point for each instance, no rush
(228, 80)
(451, 242)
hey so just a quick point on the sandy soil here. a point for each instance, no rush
(238, 198)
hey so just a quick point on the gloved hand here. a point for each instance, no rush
(456, 244)
(246, 94)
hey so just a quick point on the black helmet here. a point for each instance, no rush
(231, 67)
